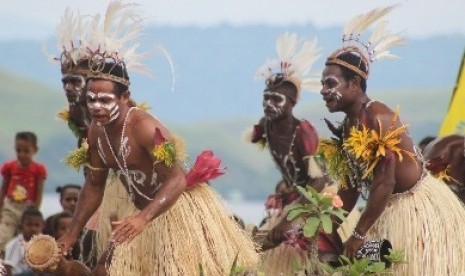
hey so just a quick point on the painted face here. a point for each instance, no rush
(102, 102)
(275, 104)
(333, 88)
(25, 150)
(74, 88)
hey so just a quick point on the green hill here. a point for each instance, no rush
(28, 105)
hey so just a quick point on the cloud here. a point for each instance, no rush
(415, 18)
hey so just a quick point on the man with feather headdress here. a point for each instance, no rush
(168, 222)
(292, 144)
(374, 156)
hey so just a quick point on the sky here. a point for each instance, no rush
(21, 19)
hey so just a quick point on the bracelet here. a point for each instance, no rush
(357, 235)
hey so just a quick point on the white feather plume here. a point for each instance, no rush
(295, 59)
(116, 36)
(377, 47)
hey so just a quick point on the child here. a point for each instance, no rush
(23, 183)
(32, 223)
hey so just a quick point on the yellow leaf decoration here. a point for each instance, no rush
(368, 146)
(144, 106)
(64, 114)
(332, 152)
(261, 144)
(170, 152)
(78, 157)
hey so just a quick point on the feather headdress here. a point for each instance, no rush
(295, 59)
(70, 33)
(376, 48)
(113, 41)
(107, 46)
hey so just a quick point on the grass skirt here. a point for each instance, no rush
(426, 223)
(196, 231)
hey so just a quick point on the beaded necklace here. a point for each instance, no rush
(124, 152)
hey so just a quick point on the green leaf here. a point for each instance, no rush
(234, 265)
(326, 201)
(361, 265)
(201, 273)
(307, 195)
(376, 267)
(311, 227)
(327, 224)
(295, 213)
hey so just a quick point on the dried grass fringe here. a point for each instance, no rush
(426, 223)
(196, 230)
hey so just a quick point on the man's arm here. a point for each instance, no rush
(90, 196)
(382, 186)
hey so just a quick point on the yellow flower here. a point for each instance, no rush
(165, 153)
(369, 146)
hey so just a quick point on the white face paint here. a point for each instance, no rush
(333, 90)
(97, 101)
(273, 103)
(74, 87)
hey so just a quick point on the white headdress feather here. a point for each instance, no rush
(295, 59)
(377, 47)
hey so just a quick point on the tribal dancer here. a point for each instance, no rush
(292, 143)
(172, 224)
(374, 156)
(74, 61)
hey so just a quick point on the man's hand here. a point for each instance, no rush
(127, 229)
(277, 234)
(351, 246)
(66, 242)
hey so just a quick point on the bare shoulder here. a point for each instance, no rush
(379, 115)
(144, 126)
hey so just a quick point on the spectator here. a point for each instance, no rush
(22, 187)
(32, 223)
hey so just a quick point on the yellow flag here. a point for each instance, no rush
(454, 122)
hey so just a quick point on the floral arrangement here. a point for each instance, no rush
(78, 158)
(366, 146)
(169, 152)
